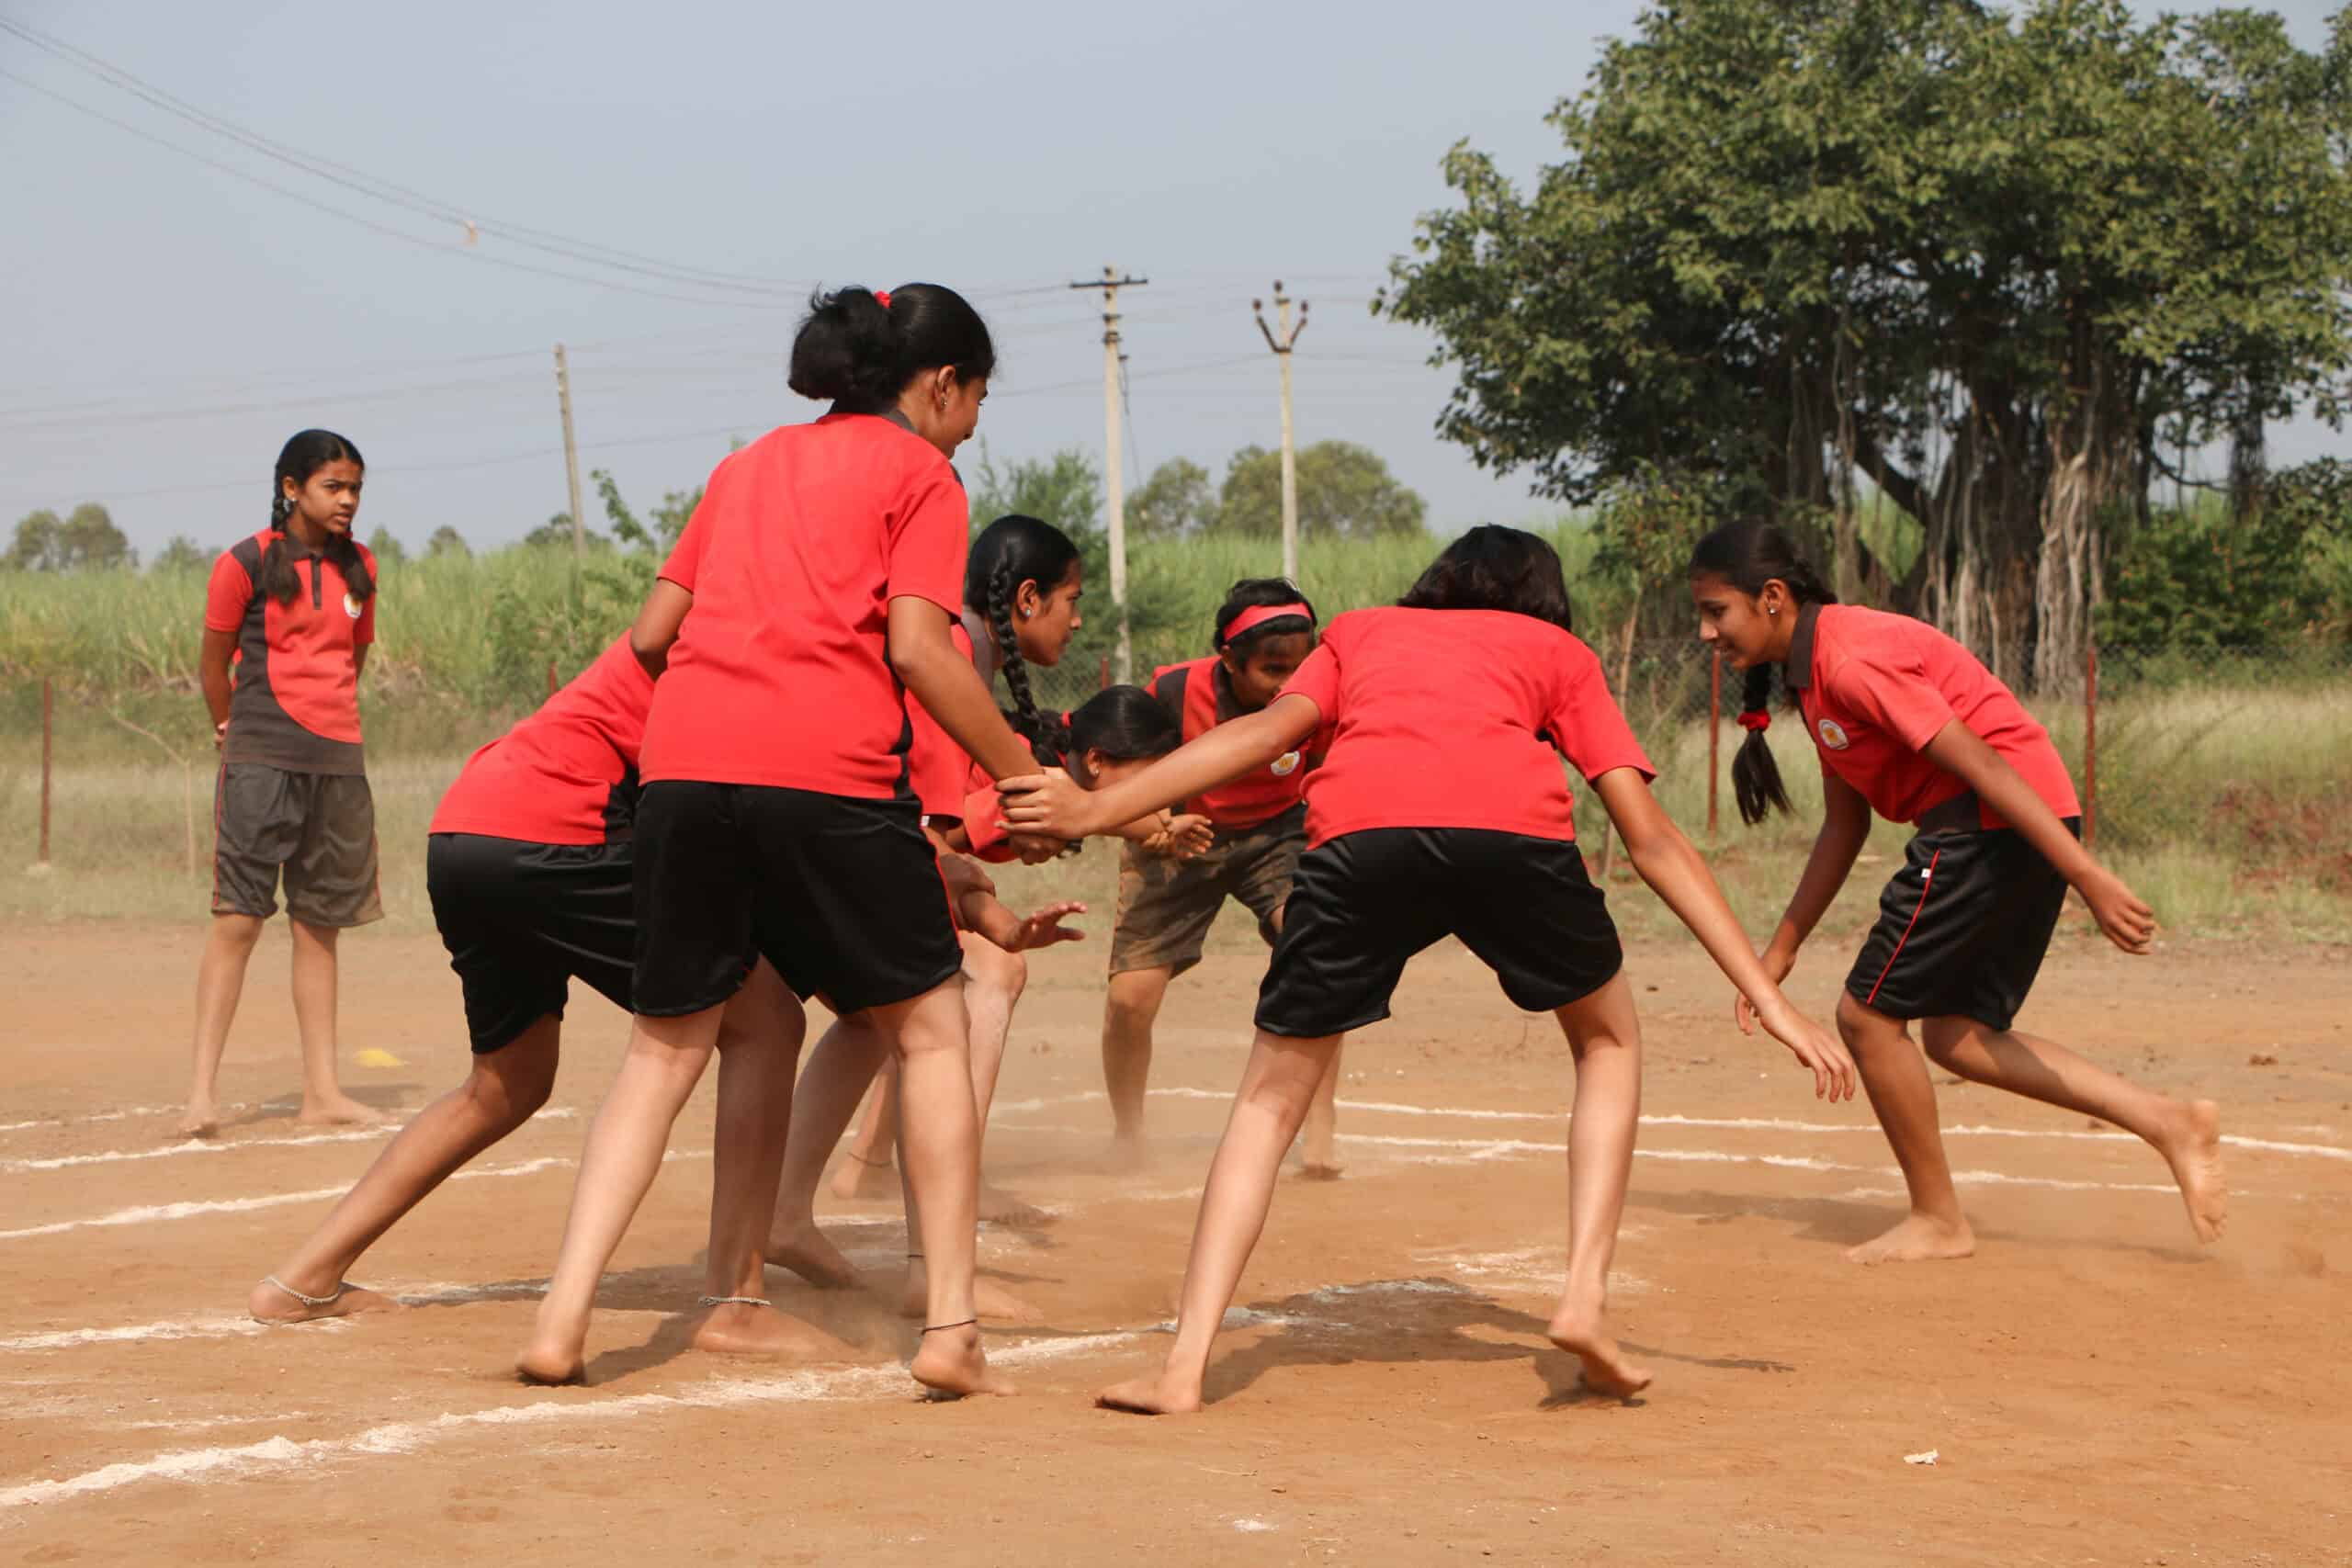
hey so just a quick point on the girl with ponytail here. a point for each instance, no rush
(1911, 726)
(290, 614)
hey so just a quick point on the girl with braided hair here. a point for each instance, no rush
(1911, 726)
(288, 616)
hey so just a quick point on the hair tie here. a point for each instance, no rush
(882, 297)
(1257, 615)
(1757, 722)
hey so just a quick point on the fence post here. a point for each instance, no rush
(551, 681)
(2090, 741)
(1105, 683)
(1715, 734)
(48, 708)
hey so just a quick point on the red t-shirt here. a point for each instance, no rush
(1200, 694)
(780, 674)
(1455, 719)
(936, 766)
(295, 703)
(1875, 688)
(568, 773)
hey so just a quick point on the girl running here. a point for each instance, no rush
(814, 587)
(1439, 809)
(1264, 630)
(1115, 732)
(528, 867)
(1911, 726)
(291, 611)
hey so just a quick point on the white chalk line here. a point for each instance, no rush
(230, 1146)
(399, 1438)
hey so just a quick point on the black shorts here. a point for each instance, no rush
(1962, 928)
(316, 829)
(521, 920)
(1365, 903)
(842, 896)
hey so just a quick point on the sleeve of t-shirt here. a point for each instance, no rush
(1584, 721)
(227, 594)
(1894, 695)
(364, 632)
(982, 807)
(929, 532)
(1317, 680)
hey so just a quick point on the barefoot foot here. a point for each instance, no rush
(1919, 1238)
(202, 1121)
(855, 1178)
(1582, 1333)
(808, 1252)
(551, 1365)
(738, 1329)
(273, 1303)
(991, 1303)
(1313, 1171)
(2194, 1152)
(949, 1363)
(339, 1111)
(1002, 1208)
(1163, 1393)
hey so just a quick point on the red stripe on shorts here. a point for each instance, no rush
(1927, 886)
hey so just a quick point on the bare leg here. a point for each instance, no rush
(1267, 1110)
(2188, 1132)
(1895, 1078)
(323, 1100)
(759, 1048)
(994, 981)
(665, 1060)
(1319, 1159)
(1606, 1040)
(866, 1168)
(840, 1068)
(1128, 1012)
(506, 1089)
(220, 982)
(939, 1148)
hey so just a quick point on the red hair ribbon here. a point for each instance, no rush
(1257, 615)
(1757, 722)
(882, 297)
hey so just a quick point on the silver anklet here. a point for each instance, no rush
(342, 1287)
(733, 1301)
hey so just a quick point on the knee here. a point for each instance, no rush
(512, 1090)
(1942, 1038)
(240, 932)
(1004, 972)
(1854, 1022)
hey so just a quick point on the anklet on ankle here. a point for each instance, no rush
(341, 1288)
(733, 1301)
(915, 1257)
(942, 1327)
(876, 1164)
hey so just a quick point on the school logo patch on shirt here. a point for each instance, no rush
(1833, 735)
(1285, 764)
(351, 606)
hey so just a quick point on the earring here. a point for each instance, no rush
(1771, 609)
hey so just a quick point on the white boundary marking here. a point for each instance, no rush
(230, 1146)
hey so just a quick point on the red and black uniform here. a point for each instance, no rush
(1166, 906)
(529, 863)
(1963, 928)
(1441, 809)
(292, 792)
(780, 816)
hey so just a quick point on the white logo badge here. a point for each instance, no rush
(1831, 735)
(1285, 764)
(351, 606)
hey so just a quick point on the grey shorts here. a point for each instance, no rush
(1166, 906)
(318, 828)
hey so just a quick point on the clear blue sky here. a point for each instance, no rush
(167, 325)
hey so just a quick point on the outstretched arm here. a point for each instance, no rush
(1052, 803)
(1665, 860)
(2129, 923)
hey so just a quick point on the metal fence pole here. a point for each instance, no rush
(1715, 734)
(551, 681)
(48, 710)
(2090, 742)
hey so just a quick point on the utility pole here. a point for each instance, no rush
(1114, 490)
(1281, 346)
(571, 451)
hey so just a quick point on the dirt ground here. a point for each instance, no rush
(2097, 1388)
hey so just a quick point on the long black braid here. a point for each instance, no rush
(1047, 738)
(1011, 551)
(1747, 555)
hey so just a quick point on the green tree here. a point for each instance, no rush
(1344, 491)
(387, 547)
(669, 519)
(181, 554)
(1179, 498)
(555, 533)
(448, 541)
(1988, 261)
(1065, 490)
(84, 540)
